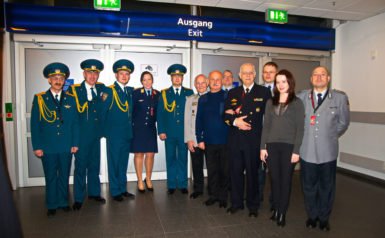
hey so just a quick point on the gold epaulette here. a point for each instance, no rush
(40, 94)
(76, 85)
(99, 83)
(112, 86)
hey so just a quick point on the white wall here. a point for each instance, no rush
(359, 70)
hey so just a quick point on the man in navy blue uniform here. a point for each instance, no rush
(245, 106)
(211, 134)
(55, 135)
(118, 129)
(171, 108)
(89, 97)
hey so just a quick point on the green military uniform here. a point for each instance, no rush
(89, 101)
(171, 108)
(118, 131)
(55, 130)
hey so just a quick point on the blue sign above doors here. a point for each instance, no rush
(33, 19)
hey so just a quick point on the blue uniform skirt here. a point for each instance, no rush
(144, 139)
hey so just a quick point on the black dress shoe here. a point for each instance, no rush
(274, 215)
(151, 189)
(118, 198)
(77, 206)
(311, 223)
(183, 190)
(253, 213)
(171, 191)
(97, 199)
(324, 226)
(211, 201)
(233, 210)
(281, 220)
(128, 195)
(222, 204)
(51, 212)
(195, 195)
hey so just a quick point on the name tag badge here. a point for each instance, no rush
(312, 120)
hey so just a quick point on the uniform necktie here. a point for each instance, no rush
(148, 92)
(269, 87)
(247, 90)
(126, 91)
(177, 91)
(319, 97)
(93, 93)
(57, 98)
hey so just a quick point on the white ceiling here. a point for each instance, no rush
(352, 10)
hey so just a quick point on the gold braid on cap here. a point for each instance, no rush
(81, 108)
(117, 100)
(168, 107)
(44, 110)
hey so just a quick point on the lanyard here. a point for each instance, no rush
(312, 100)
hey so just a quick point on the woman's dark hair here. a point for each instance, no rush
(144, 73)
(291, 91)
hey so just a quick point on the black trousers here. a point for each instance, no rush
(319, 185)
(242, 159)
(281, 173)
(197, 159)
(217, 161)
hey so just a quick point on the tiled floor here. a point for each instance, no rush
(359, 211)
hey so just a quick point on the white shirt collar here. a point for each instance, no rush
(54, 94)
(323, 93)
(121, 85)
(250, 87)
(179, 89)
(269, 84)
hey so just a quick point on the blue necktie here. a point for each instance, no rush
(177, 91)
(319, 97)
(57, 98)
(148, 92)
(93, 93)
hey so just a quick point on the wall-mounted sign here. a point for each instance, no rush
(32, 19)
(276, 16)
(113, 5)
(8, 111)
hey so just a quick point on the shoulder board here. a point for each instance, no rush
(164, 89)
(76, 85)
(339, 91)
(112, 86)
(187, 88)
(40, 94)
(99, 83)
(135, 89)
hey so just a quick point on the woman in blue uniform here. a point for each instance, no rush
(144, 143)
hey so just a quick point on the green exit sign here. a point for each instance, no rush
(113, 5)
(276, 16)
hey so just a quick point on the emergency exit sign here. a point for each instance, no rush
(276, 16)
(113, 5)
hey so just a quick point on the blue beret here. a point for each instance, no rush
(56, 68)
(176, 69)
(92, 65)
(123, 64)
